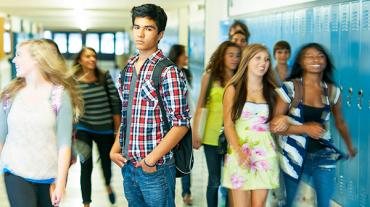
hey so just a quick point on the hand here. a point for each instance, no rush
(279, 124)
(314, 130)
(244, 160)
(352, 152)
(118, 159)
(56, 194)
(147, 168)
(196, 140)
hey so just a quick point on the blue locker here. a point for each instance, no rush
(334, 39)
(344, 28)
(364, 106)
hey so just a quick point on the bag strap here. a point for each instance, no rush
(6, 103)
(208, 91)
(56, 98)
(156, 77)
(332, 92)
(297, 92)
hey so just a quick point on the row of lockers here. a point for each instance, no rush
(344, 29)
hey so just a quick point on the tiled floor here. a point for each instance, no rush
(72, 197)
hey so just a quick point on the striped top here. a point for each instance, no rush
(293, 147)
(101, 102)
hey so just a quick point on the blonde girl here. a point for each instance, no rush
(251, 166)
(38, 108)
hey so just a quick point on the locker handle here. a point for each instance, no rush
(359, 100)
(348, 98)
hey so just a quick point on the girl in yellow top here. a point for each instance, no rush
(221, 67)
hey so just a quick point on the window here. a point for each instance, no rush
(61, 40)
(92, 40)
(120, 43)
(7, 43)
(74, 42)
(47, 34)
(107, 43)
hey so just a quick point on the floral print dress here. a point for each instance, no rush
(257, 143)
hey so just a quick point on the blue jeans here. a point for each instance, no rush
(144, 189)
(186, 184)
(319, 172)
(214, 163)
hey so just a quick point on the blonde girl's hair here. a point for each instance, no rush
(239, 82)
(53, 68)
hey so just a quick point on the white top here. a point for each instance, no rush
(31, 147)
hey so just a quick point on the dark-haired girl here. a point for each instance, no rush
(309, 97)
(221, 67)
(99, 122)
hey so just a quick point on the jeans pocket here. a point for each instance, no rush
(150, 173)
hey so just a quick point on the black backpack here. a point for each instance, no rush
(183, 152)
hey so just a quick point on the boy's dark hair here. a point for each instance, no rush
(241, 33)
(242, 26)
(151, 11)
(281, 45)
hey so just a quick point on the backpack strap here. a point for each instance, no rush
(332, 92)
(6, 103)
(56, 97)
(297, 83)
(208, 91)
(156, 77)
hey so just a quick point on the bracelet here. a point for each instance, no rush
(148, 164)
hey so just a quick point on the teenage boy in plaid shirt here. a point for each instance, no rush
(143, 147)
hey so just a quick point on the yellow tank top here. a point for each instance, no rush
(215, 116)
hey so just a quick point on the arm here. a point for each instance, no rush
(342, 127)
(201, 99)
(171, 139)
(64, 141)
(280, 123)
(175, 101)
(229, 127)
(3, 127)
(115, 101)
(117, 123)
(115, 153)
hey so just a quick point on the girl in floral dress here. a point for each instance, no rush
(251, 166)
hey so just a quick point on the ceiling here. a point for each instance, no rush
(98, 15)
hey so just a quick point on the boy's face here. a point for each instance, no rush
(282, 55)
(239, 39)
(145, 34)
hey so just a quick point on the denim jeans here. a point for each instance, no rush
(214, 163)
(186, 184)
(144, 189)
(319, 172)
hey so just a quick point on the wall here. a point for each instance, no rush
(343, 28)
(2, 21)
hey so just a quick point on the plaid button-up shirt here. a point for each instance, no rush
(147, 127)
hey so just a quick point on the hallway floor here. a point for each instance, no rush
(73, 198)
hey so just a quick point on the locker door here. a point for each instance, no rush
(364, 107)
(325, 25)
(334, 41)
(345, 188)
(350, 85)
